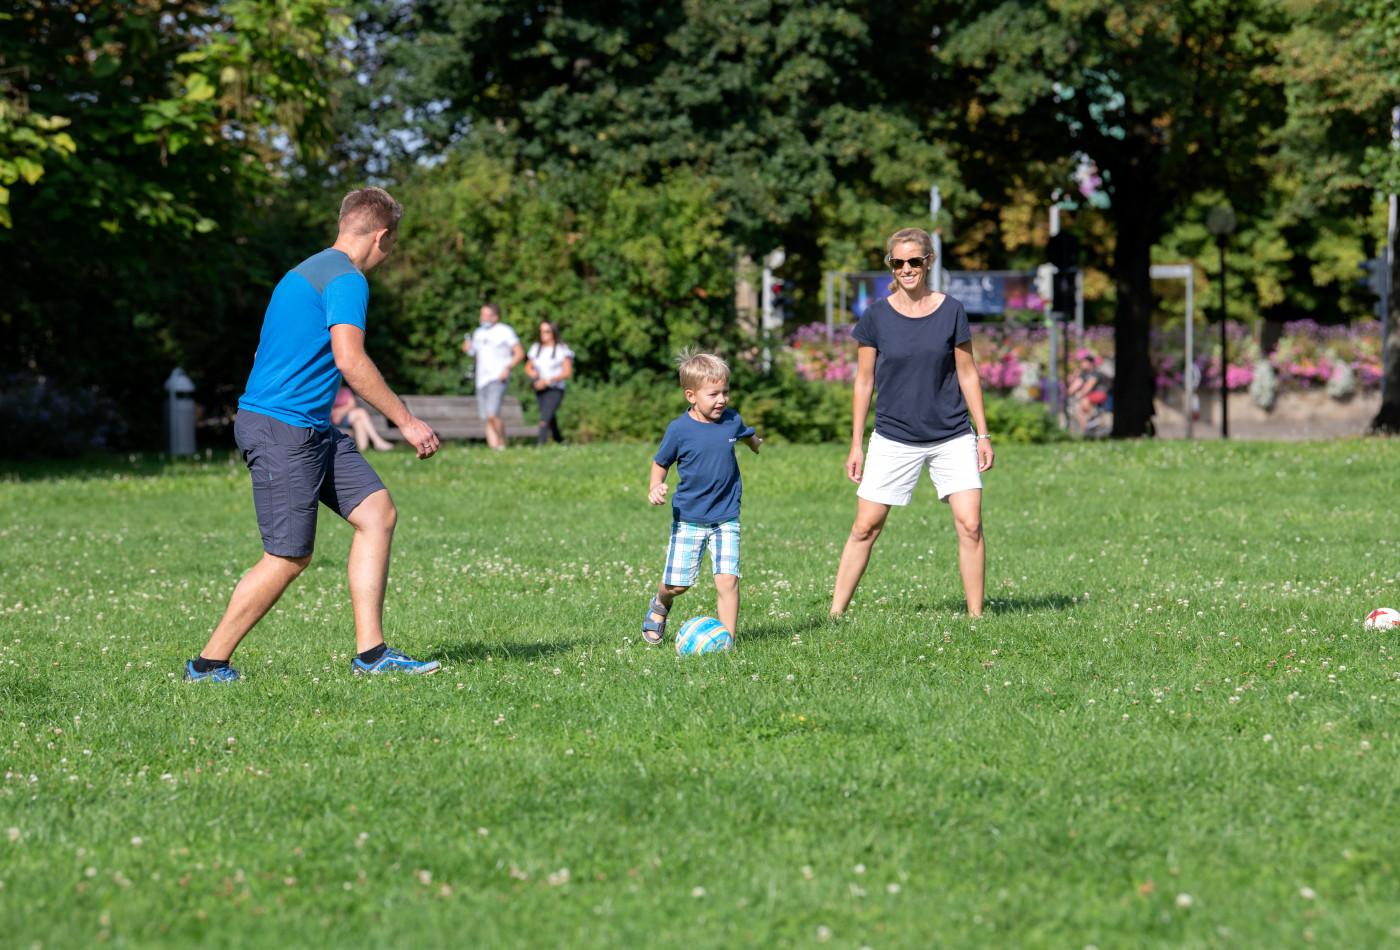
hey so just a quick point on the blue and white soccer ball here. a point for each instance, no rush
(703, 635)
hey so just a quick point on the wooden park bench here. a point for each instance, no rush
(454, 417)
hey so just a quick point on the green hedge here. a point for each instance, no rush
(783, 407)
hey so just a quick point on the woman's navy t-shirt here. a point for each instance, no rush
(915, 375)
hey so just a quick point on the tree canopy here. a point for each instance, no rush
(161, 163)
(150, 141)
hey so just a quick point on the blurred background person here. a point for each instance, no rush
(549, 364)
(498, 352)
(346, 412)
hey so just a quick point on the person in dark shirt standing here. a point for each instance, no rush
(915, 350)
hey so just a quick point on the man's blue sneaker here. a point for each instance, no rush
(220, 674)
(395, 662)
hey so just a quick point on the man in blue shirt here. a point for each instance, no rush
(313, 335)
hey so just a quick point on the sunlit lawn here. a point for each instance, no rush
(1171, 728)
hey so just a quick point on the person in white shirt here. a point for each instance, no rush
(497, 351)
(550, 363)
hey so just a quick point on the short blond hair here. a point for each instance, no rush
(367, 210)
(698, 368)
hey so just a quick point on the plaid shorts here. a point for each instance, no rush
(688, 543)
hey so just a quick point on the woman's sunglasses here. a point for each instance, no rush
(898, 264)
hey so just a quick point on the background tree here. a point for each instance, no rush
(155, 224)
(634, 271)
(1166, 98)
(1341, 63)
(809, 119)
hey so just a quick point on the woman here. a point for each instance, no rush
(915, 348)
(549, 364)
(344, 412)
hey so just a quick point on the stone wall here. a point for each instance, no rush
(1296, 416)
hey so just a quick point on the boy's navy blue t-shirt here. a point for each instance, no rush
(919, 399)
(703, 452)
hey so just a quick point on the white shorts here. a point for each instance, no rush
(892, 468)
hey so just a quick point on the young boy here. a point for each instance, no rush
(705, 511)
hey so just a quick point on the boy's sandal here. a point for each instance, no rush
(654, 631)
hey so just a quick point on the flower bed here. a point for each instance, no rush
(819, 356)
(1012, 359)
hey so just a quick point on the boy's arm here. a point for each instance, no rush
(750, 435)
(656, 494)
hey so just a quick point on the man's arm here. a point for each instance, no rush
(361, 375)
(517, 353)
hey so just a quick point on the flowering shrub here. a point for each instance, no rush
(1310, 355)
(826, 358)
(1169, 352)
(1013, 358)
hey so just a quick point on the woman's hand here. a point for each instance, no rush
(985, 455)
(855, 464)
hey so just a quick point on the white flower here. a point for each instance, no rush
(1184, 900)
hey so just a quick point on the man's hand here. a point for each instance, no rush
(657, 495)
(421, 436)
(755, 441)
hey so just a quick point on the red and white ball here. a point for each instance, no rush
(1383, 618)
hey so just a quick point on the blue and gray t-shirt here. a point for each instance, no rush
(709, 486)
(919, 399)
(294, 377)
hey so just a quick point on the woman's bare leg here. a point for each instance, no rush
(870, 520)
(972, 547)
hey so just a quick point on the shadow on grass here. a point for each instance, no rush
(786, 630)
(999, 605)
(475, 651)
(106, 467)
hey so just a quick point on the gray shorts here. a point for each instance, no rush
(488, 398)
(293, 469)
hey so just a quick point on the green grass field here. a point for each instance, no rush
(1170, 729)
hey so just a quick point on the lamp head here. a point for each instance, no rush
(1220, 221)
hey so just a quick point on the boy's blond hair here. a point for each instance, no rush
(699, 368)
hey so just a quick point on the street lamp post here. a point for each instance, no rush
(1221, 223)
